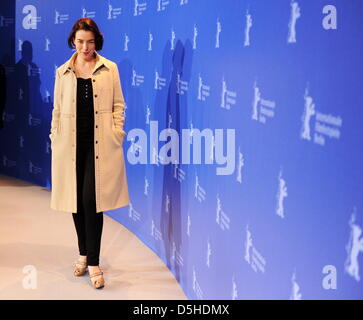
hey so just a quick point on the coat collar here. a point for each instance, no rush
(100, 61)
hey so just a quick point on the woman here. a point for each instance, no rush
(87, 133)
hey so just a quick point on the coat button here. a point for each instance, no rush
(95, 95)
(96, 157)
(96, 141)
(96, 126)
(96, 112)
(94, 80)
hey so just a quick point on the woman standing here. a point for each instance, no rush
(87, 133)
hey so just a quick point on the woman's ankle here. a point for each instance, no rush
(93, 268)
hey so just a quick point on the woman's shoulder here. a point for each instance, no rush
(62, 68)
(66, 65)
(109, 63)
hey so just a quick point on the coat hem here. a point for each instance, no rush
(122, 204)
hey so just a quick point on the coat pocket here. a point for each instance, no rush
(118, 134)
(54, 134)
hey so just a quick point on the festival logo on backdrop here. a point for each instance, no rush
(281, 195)
(139, 7)
(294, 15)
(47, 43)
(151, 38)
(55, 71)
(252, 256)
(196, 287)
(155, 232)
(33, 71)
(179, 174)
(181, 85)
(162, 4)
(189, 224)
(354, 248)
(218, 33)
(228, 97)
(172, 40)
(60, 18)
(222, 218)
(147, 115)
(137, 79)
(295, 290)
(159, 82)
(209, 253)
(309, 111)
(20, 94)
(8, 117)
(146, 187)
(203, 89)
(126, 42)
(112, 12)
(325, 125)
(199, 192)
(33, 121)
(234, 294)
(262, 109)
(21, 142)
(176, 256)
(241, 163)
(167, 203)
(195, 35)
(88, 14)
(5, 22)
(133, 214)
(34, 169)
(47, 147)
(8, 163)
(247, 29)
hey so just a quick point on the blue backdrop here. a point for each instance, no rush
(277, 86)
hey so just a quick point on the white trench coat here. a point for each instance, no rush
(110, 173)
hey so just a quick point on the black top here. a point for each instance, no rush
(85, 118)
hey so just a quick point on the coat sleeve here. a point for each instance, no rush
(56, 105)
(118, 111)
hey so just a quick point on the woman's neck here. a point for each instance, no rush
(84, 62)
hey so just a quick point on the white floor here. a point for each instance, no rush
(32, 234)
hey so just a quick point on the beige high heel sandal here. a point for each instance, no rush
(97, 279)
(80, 268)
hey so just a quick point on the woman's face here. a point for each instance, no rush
(85, 44)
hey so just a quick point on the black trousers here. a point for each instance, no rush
(87, 221)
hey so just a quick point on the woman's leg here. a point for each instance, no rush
(79, 216)
(93, 220)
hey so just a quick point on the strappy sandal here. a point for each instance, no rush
(97, 279)
(80, 268)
